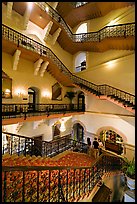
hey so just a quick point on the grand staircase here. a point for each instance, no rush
(30, 178)
(61, 73)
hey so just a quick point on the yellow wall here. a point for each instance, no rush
(35, 32)
(23, 78)
(120, 74)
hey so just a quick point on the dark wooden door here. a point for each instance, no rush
(38, 145)
(31, 100)
(81, 101)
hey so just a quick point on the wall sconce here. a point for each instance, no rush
(110, 64)
(113, 22)
(47, 9)
(46, 94)
(7, 93)
(62, 127)
(19, 92)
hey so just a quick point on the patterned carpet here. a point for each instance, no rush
(67, 158)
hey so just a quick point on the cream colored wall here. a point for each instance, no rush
(93, 122)
(36, 33)
(23, 78)
(98, 105)
(44, 128)
(120, 74)
(65, 57)
(121, 16)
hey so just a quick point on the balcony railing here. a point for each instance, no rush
(25, 110)
(17, 144)
(26, 42)
(55, 183)
(121, 30)
(78, 4)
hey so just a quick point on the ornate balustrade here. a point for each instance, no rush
(28, 43)
(20, 110)
(17, 144)
(121, 30)
(54, 184)
(78, 4)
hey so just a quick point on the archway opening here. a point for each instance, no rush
(80, 62)
(78, 131)
(33, 98)
(81, 101)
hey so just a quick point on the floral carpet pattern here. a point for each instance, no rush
(69, 159)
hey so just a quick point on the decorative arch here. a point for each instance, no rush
(78, 121)
(78, 131)
(82, 28)
(80, 62)
(33, 97)
(114, 129)
(81, 100)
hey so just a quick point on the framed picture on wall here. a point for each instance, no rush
(56, 92)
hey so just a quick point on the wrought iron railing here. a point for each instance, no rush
(28, 43)
(54, 184)
(27, 110)
(17, 144)
(121, 30)
(78, 4)
(107, 90)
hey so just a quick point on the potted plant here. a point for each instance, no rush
(129, 170)
(70, 95)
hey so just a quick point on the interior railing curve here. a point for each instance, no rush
(30, 44)
(55, 183)
(17, 110)
(121, 30)
(25, 145)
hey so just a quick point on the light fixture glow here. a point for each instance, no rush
(110, 64)
(30, 4)
(19, 92)
(7, 91)
(47, 9)
(62, 127)
(113, 22)
(46, 94)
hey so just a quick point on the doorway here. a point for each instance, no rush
(31, 99)
(81, 101)
(38, 146)
(78, 132)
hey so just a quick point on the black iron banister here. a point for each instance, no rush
(40, 48)
(90, 36)
(18, 144)
(99, 87)
(59, 180)
(75, 79)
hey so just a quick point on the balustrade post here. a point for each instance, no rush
(19, 146)
(74, 184)
(67, 187)
(25, 147)
(5, 186)
(23, 187)
(37, 186)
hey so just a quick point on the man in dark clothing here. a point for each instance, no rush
(95, 146)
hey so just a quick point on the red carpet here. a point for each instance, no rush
(70, 159)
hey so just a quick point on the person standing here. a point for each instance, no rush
(96, 147)
(100, 146)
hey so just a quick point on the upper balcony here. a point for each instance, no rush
(120, 36)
